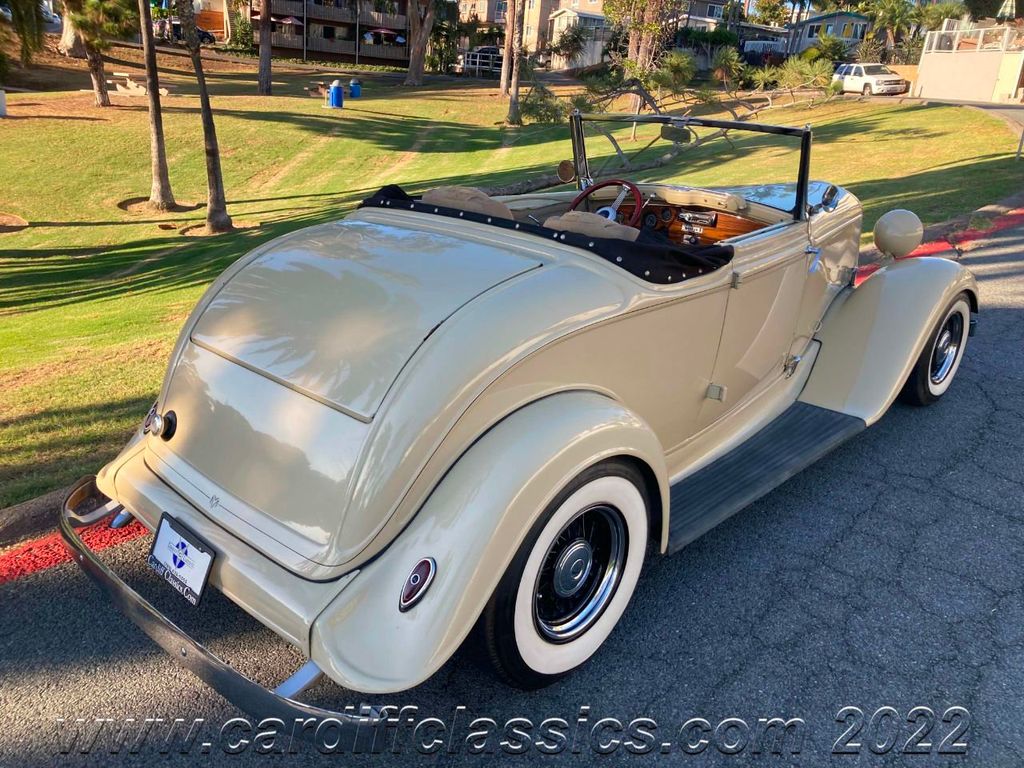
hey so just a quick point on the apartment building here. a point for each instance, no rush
(368, 32)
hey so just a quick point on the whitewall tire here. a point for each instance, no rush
(572, 578)
(942, 354)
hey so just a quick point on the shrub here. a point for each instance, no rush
(540, 105)
(828, 48)
(242, 37)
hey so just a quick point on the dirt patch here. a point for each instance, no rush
(140, 205)
(11, 223)
(199, 230)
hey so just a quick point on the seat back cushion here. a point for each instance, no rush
(466, 199)
(591, 224)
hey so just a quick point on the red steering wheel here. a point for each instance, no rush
(638, 198)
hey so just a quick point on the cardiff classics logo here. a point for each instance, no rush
(179, 554)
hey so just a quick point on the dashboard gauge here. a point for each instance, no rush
(666, 215)
(650, 220)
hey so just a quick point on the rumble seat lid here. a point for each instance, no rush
(336, 311)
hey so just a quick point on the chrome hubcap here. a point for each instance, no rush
(947, 346)
(573, 568)
(580, 572)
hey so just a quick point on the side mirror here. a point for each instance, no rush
(898, 233)
(566, 172)
(676, 134)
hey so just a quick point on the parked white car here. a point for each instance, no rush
(869, 79)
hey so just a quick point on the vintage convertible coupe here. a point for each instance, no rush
(453, 410)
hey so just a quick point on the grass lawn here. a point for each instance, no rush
(92, 295)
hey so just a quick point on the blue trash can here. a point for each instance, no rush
(336, 95)
(355, 88)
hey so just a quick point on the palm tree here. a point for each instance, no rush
(99, 22)
(894, 16)
(217, 219)
(506, 61)
(27, 20)
(515, 117)
(421, 21)
(265, 84)
(71, 44)
(160, 195)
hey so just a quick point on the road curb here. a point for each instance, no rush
(30, 518)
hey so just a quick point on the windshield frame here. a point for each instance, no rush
(584, 179)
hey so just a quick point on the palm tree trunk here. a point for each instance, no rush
(160, 195)
(421, 21)
(217, 219)
(506, 61)
(514, 115)
(98, 76)
(266, 40)
(71, 43)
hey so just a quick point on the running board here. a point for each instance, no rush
(801, 435)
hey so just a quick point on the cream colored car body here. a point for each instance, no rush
(356, 396)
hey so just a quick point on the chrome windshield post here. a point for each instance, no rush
(579, 151)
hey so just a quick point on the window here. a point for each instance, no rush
(531, 4)
(859, 30)
(715, 11)
(858, 72)
(813, 30)
(846, 29)
(829, 29)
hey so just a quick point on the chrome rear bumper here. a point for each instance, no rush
(246, 694)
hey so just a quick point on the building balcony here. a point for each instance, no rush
(281, 40)
(286, 8)
(398, 52)
(331, 12)
(325, 45)
(377, 19)
(339, 12)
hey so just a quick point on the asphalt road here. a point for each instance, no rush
(888, 575)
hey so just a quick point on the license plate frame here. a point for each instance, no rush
(185, 565)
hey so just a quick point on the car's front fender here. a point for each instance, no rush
(472, 525)
(872, 336)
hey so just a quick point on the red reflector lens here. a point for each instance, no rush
(416, 585)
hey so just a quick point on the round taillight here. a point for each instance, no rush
(416, 584)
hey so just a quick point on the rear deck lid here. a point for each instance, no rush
(336, 311)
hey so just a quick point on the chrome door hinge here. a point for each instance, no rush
(716, 392)
(737, 280)
(816, 262)
(790, 365)
(846, 275)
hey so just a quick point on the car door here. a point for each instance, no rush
(840, 75)
(855, 80)
(769, 273)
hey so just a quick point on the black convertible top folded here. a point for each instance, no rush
(652, 257)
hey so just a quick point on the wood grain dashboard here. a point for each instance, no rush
(691, 224)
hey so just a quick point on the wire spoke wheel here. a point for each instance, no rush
(946, 348)
(580, 574)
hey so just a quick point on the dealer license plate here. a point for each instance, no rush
(181, 558)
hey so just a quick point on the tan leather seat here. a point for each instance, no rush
(467, 199)
(591, 224)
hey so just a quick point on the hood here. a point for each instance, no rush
(335, 312)
(289, 364)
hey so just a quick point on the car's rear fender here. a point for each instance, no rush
(472, 524)
(873, 334)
